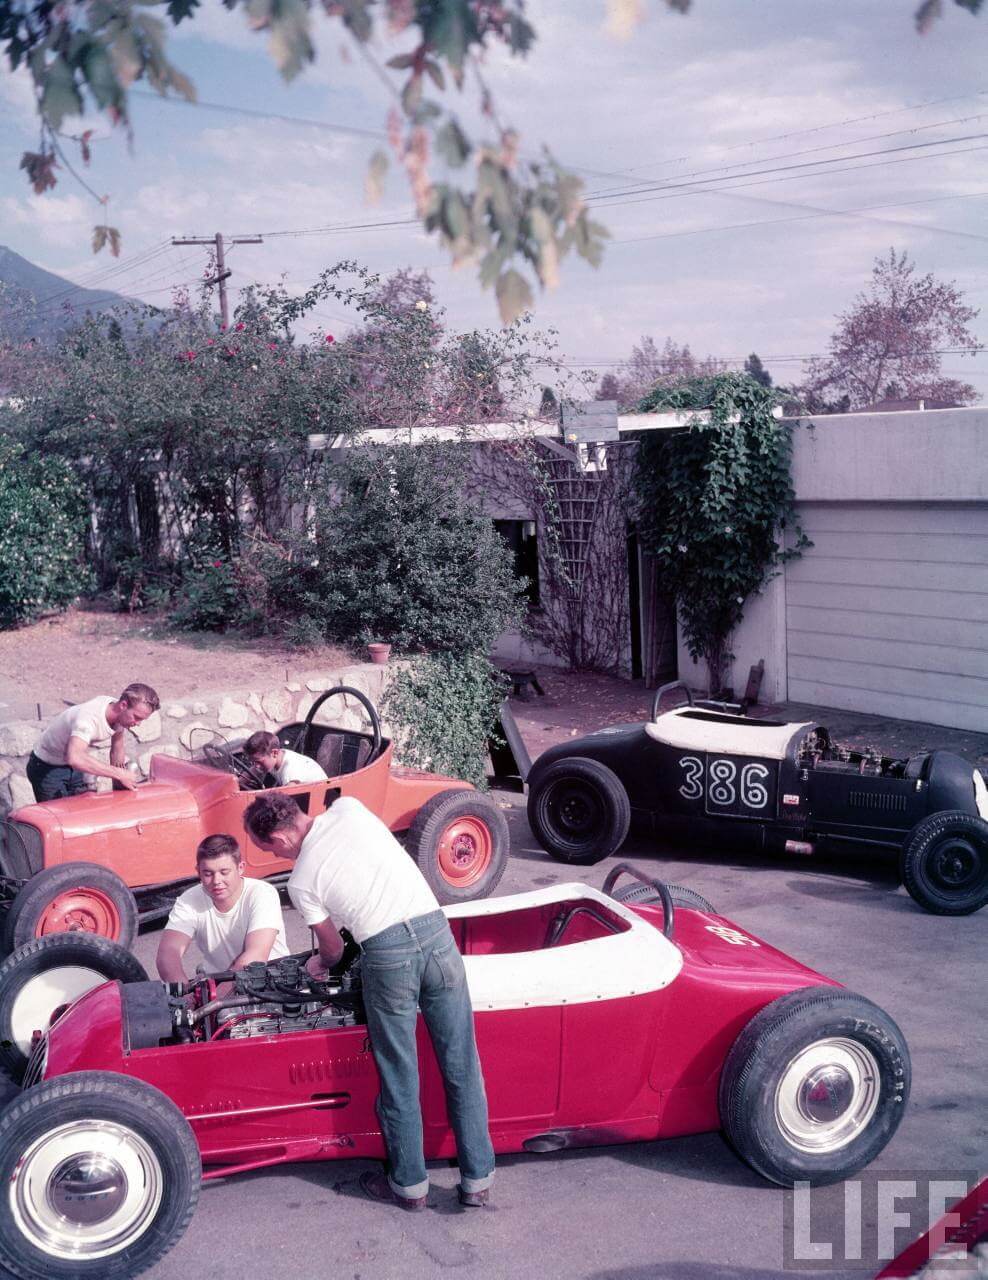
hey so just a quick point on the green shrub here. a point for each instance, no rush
(212, 598)
(396, 552)
(444, 708)
(42, 535)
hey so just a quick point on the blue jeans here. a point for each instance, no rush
(410, 966)
(52, 781)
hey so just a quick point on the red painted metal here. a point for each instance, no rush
(86, 909)
(465, 849)
(309, 1095)
(149, 836)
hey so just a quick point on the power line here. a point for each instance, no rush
(824, 213)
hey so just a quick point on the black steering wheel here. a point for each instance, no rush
(667, 688)
(306, 731)
(225, 758)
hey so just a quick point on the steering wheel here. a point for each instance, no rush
(365, 702)
(226, 759)
(667, 688)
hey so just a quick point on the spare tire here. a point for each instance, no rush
(46, 974)
(460, 842)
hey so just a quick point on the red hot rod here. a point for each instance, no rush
(601, 1018)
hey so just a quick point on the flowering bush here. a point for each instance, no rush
(42, 535)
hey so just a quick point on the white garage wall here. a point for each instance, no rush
(888, 611)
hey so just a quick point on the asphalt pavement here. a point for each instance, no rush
(682, 1209)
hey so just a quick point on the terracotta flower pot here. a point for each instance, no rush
(379, 653)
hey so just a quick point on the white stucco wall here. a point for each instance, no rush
(938, 457)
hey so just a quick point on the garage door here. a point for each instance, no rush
(888, 612)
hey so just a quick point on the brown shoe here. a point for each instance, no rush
(377, 1187)
(474, 1199)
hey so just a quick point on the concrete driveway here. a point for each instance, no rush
(686, 1209)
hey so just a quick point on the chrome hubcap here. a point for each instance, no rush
(827, 1095)
(86, 1190)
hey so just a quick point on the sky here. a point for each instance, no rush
(751, 98)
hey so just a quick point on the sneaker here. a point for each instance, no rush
(376, 1186)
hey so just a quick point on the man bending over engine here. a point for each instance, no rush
(266, 753)
(232, 918)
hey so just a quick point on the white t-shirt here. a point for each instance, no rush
(296, 767)
(86, 720)
(220, 935)
(353, 870)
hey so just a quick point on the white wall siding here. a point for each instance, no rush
(888, 611)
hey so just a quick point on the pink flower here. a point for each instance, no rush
(241, 326)
(330, 338)
(209, 342)
(272, 346)
(222, 328)
(217, 564)
(190, 355)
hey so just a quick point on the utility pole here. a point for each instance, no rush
(222, 270)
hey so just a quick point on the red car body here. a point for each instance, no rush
(309, 1095)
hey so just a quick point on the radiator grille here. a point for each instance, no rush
(22, 851)
(886, 801)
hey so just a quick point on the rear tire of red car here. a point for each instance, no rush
(681, 896)
(579, 811)
(460, 842)
(75, 896)
(814, 1086)
(101, 1176)
(49, 972)
(944, 863)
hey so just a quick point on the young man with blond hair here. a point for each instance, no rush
(64, 755)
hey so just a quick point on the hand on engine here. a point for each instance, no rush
(315, 968)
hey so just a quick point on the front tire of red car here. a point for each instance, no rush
(578, 810)
(460, 842)
(50, 972)
(944, 863)
(78, 897)
(814, 1086)
(100, 1177)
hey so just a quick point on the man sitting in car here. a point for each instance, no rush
(233, 919)
(267, 754)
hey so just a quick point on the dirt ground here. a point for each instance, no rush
(82, 652)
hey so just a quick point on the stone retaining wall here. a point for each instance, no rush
(183, 725)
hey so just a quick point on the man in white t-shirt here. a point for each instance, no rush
(350, 872)
(58, 764)
(267, 754)
(231, 918)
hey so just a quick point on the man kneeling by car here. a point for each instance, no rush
(233, 919)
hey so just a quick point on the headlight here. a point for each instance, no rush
(981, 795)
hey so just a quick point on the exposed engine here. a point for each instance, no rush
(817, 751)
(261, 999)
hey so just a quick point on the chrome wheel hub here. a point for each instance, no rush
(827, 1095)
(86, 1190)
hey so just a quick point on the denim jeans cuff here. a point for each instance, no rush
(470, 1185)
(409, 1193)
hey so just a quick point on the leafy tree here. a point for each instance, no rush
(519, 217)
(754, 368)
(392, 553)
(894, 333)
(711, 501)
(609, 388)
